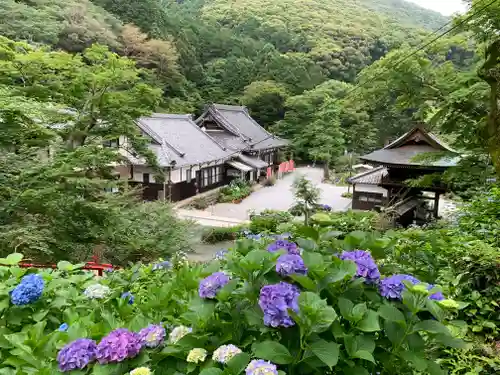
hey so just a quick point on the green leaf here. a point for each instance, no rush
(12, 259)
(434, 369)
(370, 322)
(272, 351)
(238, 363)
(326, 351)
(432, 326)
(345, 307)
(307, 244)
(211, 371)
(358, 311)
(415, 359)
(304, 281)
(64, 265)
(363, 354)
(392, 314)
(342, 270)
(450, 341)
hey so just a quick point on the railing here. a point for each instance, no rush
(93, 265)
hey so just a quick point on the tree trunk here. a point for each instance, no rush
(490, 73)
(326, 171)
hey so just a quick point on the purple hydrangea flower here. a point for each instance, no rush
(76, 355)
(210, 285)
(290, 247)
(326, 207)
(275, 300)
(129, 297)
(288, 264)
(29, 290)
(438, 296)
(152, 336)
(261, 367)
(366, 266)
(392, 287)
(119, 345)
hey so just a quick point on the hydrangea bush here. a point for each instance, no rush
(269, 307)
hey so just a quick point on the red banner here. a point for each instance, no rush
(269, 172)
(291, 165)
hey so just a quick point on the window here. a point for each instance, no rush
(145, 178)
(211, 176)
(111, 143)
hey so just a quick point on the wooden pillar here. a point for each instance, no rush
(436, 205)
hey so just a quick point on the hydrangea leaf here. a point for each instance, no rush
(272, 351)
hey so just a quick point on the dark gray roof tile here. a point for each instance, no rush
(179, 140)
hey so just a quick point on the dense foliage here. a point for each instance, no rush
(303, 313)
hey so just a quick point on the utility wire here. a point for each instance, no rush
(399, 62)
(425, 45)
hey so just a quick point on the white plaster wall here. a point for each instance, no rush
(371, 189)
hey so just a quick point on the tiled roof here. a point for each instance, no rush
(406, 155)
(228, 140)
(371, 177)
(237, 121)
(179, 141)
(417, 142)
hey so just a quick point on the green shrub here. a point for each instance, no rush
(200, 203)
(236, 190)
(350, 221)
(268, 221)
(346, 195)
(214, 235)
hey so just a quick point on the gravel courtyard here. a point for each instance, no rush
(280, 196)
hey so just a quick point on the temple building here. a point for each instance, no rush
(199, 155)
(405, 178)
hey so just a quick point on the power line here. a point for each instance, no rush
(422, 47)
(403, 59)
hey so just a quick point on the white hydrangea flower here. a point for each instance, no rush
(197, 355)
(178, 333)
(141, 371)
(225, 353)
(97, 291)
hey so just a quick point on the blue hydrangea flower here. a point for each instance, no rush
(256, 237)
(392, 287)
(210, 285)
(165, 265)
(261, 367)
(221, 254)
(290, 247)
(366, 266)
(63, 327)
(76, 355)
(289, 264)
(326, 207)
(438, 296)
(129, 297)
(29, 290)
(275, 300)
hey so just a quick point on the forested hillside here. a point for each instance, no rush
(294, 63)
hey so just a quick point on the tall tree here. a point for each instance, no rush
(324, 137)
(485, 23)
(102, 94)
(266, 101)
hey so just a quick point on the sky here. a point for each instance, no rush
(445, 7)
